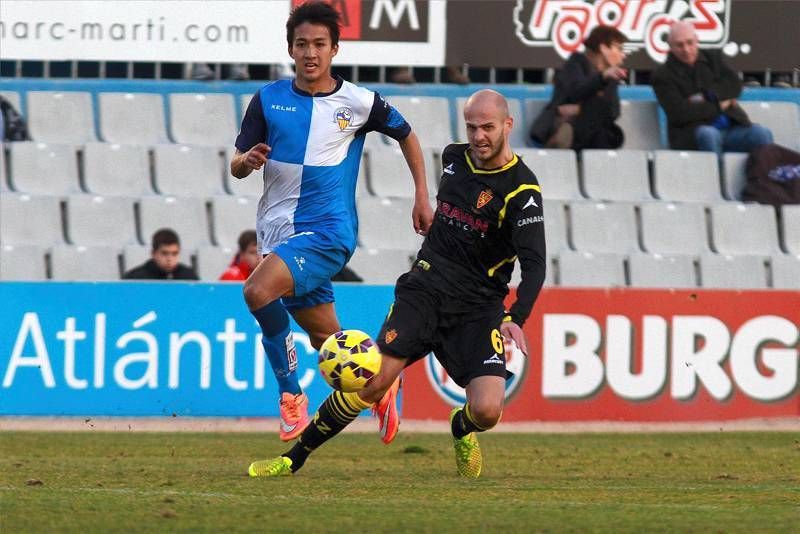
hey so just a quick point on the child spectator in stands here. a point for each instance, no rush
(164, 264)
(245, 260)
(699, 95)
(585, 102)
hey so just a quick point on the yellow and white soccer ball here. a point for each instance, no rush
(348, 360)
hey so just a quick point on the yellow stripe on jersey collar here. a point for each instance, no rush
(476, 170)
(491, 271)
(511, 195)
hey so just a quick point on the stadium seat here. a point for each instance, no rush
(42, 168)
(734, 176)
(183, 170)
(555, 226)
(655, 270)
(378, 266)
(669, 228)
(549, 274)
(783, 118)
(110, 169)
(584, 269)
(681, 176)
(519, 134)
(639, 121)
(786, 271)
(732, 272)
(3, 174)
(132, 118)
(203, 119)
(616, 175)
(230, 217)
(603, 227)
(61, 117)
(81, 263)
(744, 229)
(429, 117)
(386, 224)
(22, 262)
(94, 220)
(389, 175)
(790, 226)
(556, 171)
(14, 99)
(251, 186)
(533, 107)
(30, 220)
(212, 261)
(135, 255)
(244, 101)
(184, 215)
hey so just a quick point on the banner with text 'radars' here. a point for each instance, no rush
(151, 349)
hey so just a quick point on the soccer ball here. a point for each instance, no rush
(348, 360)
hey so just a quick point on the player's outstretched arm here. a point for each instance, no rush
(243, 163)
(421, 215)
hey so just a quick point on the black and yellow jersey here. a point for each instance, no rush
(486, 221)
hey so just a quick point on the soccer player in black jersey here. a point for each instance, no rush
(488, 217)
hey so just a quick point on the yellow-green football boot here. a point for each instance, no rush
(468, 452)
(276, 467)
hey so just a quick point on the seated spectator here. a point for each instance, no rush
(245, 260)
(699, 92)
(163, 265)
(585, 102)
(235, 71)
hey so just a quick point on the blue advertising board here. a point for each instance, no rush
(151, 349)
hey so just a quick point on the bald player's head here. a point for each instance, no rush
(682, 41)
(488, 126)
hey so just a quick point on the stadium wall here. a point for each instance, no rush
(192, 349)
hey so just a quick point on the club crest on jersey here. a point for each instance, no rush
(391, 335)
(484, 198)
(343, 116)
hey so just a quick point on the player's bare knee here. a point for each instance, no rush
(485, 414)
(255, 295)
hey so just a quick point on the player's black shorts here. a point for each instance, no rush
(465, 339)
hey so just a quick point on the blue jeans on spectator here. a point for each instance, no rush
(732, 139)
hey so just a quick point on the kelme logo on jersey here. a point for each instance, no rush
(454, 395)
(484, 198)
(343, 116)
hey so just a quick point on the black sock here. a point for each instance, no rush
(338, 411)
(463, 424)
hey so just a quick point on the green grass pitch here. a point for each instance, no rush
(699, 482)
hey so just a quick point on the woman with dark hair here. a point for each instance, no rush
(585, 102)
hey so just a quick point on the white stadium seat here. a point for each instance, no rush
(212, 261)
(381, 266)
(681, 176)
(13, 98)
(786, 271)
(429, 117)
(782, 118)
(669, 228)
(61, 117)
(389, 175)
(584, 269)
(734, 176)
(203, 119)
(132, 118)
(3, 175)
(250, 186)
(790, 225)
(110, 169)
(556, 171)
(555, 226)
(81, 263)
(745, 229)
(183, 170)
(45, 169)
(135, 255)
(655, 270)
(22, 262)
(97, 220)
(603, 227)
(185, 215)
(533, 107)
(30, 220)
(616, 175)
(230, 217)
(639, 122)
(723, 271)
(386, 224)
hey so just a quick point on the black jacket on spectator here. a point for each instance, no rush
(151, 271)
(578, 82)
(675, 81)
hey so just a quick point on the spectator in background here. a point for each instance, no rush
(12, 124)
(164, 264)
(406, 75)
(245, 260)
(699, 95)
(585, 102)
(204, 72)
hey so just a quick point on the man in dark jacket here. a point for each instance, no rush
(163, 265)
(699, 95)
